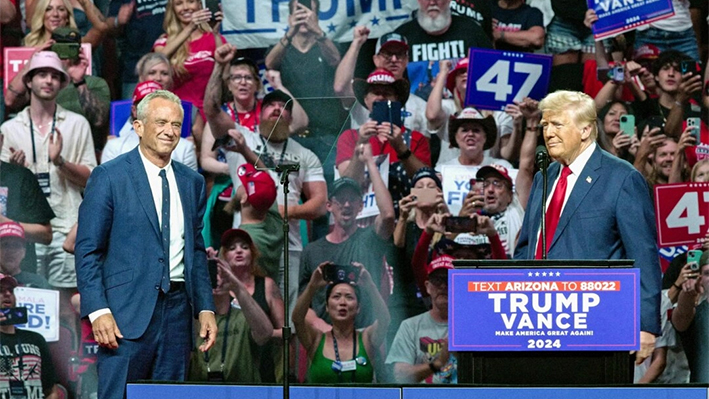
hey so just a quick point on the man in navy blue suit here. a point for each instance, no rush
(140, 258)
(604, 208)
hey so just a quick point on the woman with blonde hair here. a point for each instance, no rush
(189, 43)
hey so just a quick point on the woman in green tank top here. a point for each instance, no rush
(342, 354)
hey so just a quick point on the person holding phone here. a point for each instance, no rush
(408, 151)
(693, 307)
(344, 354)
(613, 135)
(249, 313)
(20, 346)
(680, 170)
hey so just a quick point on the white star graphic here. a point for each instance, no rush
(544, 274)
(536, 274)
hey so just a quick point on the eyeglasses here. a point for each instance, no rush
(388, 56)
(344, 200)
(238, 78)
(494, 182)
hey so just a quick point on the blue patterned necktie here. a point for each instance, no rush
(165, 283)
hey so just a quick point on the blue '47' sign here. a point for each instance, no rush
(497, 78)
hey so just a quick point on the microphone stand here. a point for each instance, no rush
(285, 170)
(543, 230)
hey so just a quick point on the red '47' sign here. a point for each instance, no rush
(682, 213)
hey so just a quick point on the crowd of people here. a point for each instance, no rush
(369, 245)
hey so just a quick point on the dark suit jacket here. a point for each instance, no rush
(119, 254)
(609, 215)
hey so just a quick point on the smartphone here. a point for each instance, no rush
(694, 123)
(306, 3)
(460, 224)
(627, 124)
(618, 73)
(212, 6)
(347, 273)
(425, 195)
(14, 316)
(690, 66)
(477, 187)
(693, 257)
(212, 266)
(386, 111)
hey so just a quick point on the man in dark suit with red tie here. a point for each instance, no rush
(140, 257)
(599, 206)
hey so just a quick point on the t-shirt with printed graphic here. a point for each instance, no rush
(515, 20)
(24, 356)
(199, 65)
(419, 341)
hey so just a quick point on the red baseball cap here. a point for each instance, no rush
(494, 169)
(460, 66)
(12, 229)
(441, 262)
(143, 89)
(259, 185)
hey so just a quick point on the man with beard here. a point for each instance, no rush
(268, 147)
(498, 202)
(658, 160)
(436, 34)
(420, 349)
(347, 242)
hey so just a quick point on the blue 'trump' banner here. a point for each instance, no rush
(618, 16)
(544, 310)
(497, 78)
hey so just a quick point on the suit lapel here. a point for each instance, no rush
(139, 178)
(184, 186)
(584, 182)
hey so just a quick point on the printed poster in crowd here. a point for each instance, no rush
(369, 202)
(544, 309)
(42, 311)
(456, 184)
(618, 16)
(497, 78)
(681, 213)
(257, 24)
(17, 57)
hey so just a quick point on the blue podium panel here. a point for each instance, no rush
(555, 393)
(213, 391)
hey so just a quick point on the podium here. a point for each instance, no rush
(489, 299)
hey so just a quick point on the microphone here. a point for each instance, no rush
(541, 156)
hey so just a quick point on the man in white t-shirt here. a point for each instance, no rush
(268, 147)
(127, 138)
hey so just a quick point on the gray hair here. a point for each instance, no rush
(581, 105)
(142, 108)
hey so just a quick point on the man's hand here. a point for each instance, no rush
(208, 330)
(360, 34)
(238, 142)
(690, 84)
(77, 68)
(443, 356)
(125, 13)
(436, 223)
(17, 157)
(225, 53)
(393, 134)
(472, 203)
(647, 346)
(367, 130)
(274, 79)
(106, 331)
(55, 145)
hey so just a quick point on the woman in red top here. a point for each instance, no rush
(189, 43)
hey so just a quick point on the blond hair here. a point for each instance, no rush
(38, 32)
(581, 106)
(173, 27)
(696, 167)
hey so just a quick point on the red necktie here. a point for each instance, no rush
(554, 210)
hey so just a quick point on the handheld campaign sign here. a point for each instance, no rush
(17, 57)
(681, 213)
(497, 78)
(544, 309)
(42, 311)
(618, 16)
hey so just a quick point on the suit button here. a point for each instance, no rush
(157, 287)
(161, 260)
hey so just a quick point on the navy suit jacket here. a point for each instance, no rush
(609, 215)
(119, 253)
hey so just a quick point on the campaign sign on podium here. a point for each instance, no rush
(497, 78)
(544, 309)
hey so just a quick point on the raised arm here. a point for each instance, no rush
(306, 332)
(435, 115)
(218, 120)
(346, 68)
